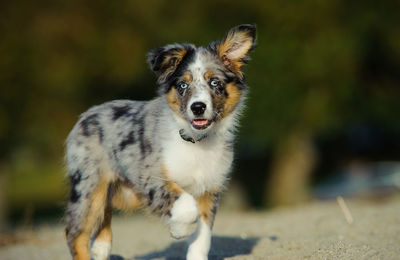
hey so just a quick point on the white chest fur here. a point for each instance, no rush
(199, 167)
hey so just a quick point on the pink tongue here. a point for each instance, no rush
(200, 122)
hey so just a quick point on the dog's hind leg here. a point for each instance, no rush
(86, 211)
(101, 247)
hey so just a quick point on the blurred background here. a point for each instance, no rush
(323, 112)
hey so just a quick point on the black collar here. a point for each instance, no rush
(188, 138)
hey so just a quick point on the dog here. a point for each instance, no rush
(171, 155)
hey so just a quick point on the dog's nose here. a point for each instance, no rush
(198, 108)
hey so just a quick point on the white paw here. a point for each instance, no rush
(184, 216)
(101, 250)
(193, 255)
(200, 243)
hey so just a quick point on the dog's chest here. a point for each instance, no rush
(198, 167)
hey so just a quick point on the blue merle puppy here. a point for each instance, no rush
(171, 155)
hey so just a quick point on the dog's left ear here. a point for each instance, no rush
(164, 60)
(234, 48)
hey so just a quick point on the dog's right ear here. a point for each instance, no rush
(164, 60)
(233, 50)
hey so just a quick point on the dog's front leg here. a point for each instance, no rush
(200, 242)
(182, 215)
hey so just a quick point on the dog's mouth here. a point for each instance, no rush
(201, 124)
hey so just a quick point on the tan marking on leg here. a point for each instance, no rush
(205, 204)
(173, 187)
(126, 199)
(169, 184)
(104, 232)
(81, 247)
(95, 215)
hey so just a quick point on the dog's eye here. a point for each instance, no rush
(217, 86)
(183, 85)
(214, 82)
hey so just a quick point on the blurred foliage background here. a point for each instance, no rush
(324, 79)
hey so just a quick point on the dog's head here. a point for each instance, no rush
(204, 85)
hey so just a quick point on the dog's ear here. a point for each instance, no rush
(164, 60)
(234, 48)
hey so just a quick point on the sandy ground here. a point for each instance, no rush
(317, 230)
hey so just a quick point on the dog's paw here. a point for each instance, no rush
(200, 243)
(184, 216)
(101, 250)
(195, 254)
(196, 257)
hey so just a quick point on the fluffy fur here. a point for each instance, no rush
(171, 155)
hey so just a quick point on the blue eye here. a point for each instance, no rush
(214, 83)
(183, 85)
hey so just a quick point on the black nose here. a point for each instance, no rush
(198, 108)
